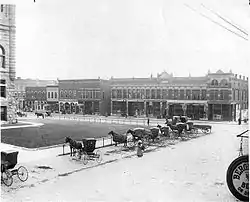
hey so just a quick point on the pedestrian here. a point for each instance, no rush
(148, 121)
(239, 121)
(140, 149)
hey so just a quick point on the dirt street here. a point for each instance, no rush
(189, 171)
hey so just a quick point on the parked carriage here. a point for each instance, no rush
(206, 129)
(119, 138)
(89, 146)
(8, 163)
(191, 129)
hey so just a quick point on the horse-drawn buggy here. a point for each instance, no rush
(89, 146)
(8, 163)
(206, 129)
(86, 148)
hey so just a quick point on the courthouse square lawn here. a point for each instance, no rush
(53, 132)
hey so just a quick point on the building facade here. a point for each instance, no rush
(36, 98)
(7, 60)
(52, 98)
(87, 96)
(19, 91)
(215, 96)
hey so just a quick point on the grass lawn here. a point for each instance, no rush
(54, 132)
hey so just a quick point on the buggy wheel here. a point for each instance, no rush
(238, 182)
(79, 154)
(85, 158)
(6, 178)
(98, 156)
(206, 130)
(22, 173)
(131, 143)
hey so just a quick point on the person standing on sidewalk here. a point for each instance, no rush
(239, 121)
(140, 149)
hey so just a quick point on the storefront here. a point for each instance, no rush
(220, 112)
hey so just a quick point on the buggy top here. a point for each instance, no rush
(89, 144)
(8, 159)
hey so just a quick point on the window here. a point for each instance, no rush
(61, 93)
(124, 93)
(214, 82)
(2, 57)
(56, 95)
(164, 93)
(1, 8)
(3, 91)
(52, 95)
(48, 94)
(223, 82)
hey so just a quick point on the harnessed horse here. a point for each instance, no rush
(74, 145)
(119, 138)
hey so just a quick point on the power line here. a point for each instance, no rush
(225, 20)
(216, 23)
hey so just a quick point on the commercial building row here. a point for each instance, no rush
(217, 95)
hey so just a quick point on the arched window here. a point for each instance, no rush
(223, 82)
(61, 93)
(214, 82)
(2, 57)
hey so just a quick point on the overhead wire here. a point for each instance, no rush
(216, 22)
(237, 27)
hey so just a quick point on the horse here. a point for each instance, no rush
(39, 114)
(142, 133)
(180, 127)
(136, 133)
(73, 145)
(119, 138)
(164, 130)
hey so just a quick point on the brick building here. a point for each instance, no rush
(7, 60)
(87, 96)
(52, 98)
(36, 98)
(214, 96)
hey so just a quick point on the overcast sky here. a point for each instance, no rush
(126, 38)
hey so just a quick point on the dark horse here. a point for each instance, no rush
(164, 130)
(39, 114)
(74, 145)
(119, 138)
(178, 127)
(143, 133)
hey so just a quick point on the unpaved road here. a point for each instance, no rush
(189, 171)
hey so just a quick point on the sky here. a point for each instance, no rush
(128, 38)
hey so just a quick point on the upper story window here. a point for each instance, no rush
(1, 8)
(48, 94)
(2, 57)
(223, 82)
(214, 82)
(3, 88)
(55, 95)
(52, 95)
